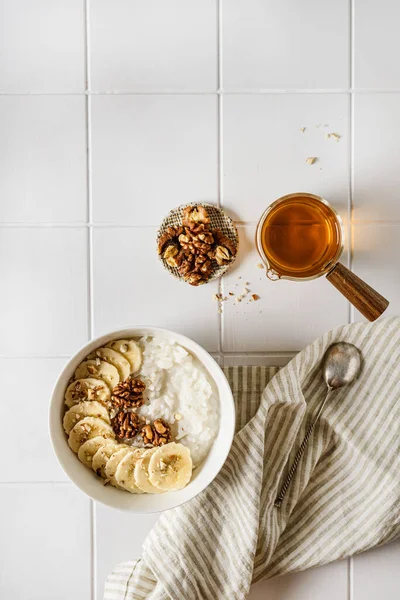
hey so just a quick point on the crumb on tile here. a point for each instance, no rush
(311, 160)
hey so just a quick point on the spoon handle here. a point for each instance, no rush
(299, 453)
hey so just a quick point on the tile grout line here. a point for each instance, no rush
(33, 482)
(349, 147)
(217, 92)
(250, 353)
(35, 357)
(220, 163)
(92, 509)
(350, 590)
(351, 152)
(350, 578)
(239, 224)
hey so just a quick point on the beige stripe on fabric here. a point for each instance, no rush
(344, 498)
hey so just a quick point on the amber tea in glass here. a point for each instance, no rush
(300, 236)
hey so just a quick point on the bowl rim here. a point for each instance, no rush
(207, 361)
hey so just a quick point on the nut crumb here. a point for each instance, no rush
(311, 160)
(302, 129)
(335, 136)
(259, 266)
(178, 417)
(231, 294)
(254, 297)
(217, 297)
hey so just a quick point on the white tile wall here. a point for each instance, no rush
(151, 153)
(276, 45)
(265, 150)
(376, 157)
(44, 542)
(43, 159)
(132, 287)
(113, 546)
(306, 585)
(153, 45)
(42, 46)
(43, 304)
(25, 412)
(377, 44)
(376, 573)
(376, 254)
(110, 114)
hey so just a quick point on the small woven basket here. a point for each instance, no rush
(218, 220)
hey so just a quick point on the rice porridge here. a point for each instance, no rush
(178, 386)
(142, 414)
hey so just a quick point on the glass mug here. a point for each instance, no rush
(301, 237)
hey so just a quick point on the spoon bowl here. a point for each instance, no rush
(341, 365)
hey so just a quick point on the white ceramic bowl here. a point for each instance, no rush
(90, 484)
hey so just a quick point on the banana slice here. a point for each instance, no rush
(131, 351)
(112, 465)
(124, 474)
(89, 449)
(114, 358)
(86, 429)
(87, 389)
(99, 369)
(102, 455)
(142, 473)
(170, 467)
(81, 410)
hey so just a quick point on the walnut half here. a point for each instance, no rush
(157, 434)
(170, 255)
(194, 214)
(222, 255)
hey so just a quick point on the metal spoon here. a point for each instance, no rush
(341, 365)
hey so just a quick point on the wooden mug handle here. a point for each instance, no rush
(360, 294)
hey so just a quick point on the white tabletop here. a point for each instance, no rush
(113, 112)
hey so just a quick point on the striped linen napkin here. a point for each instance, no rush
(344, 498)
